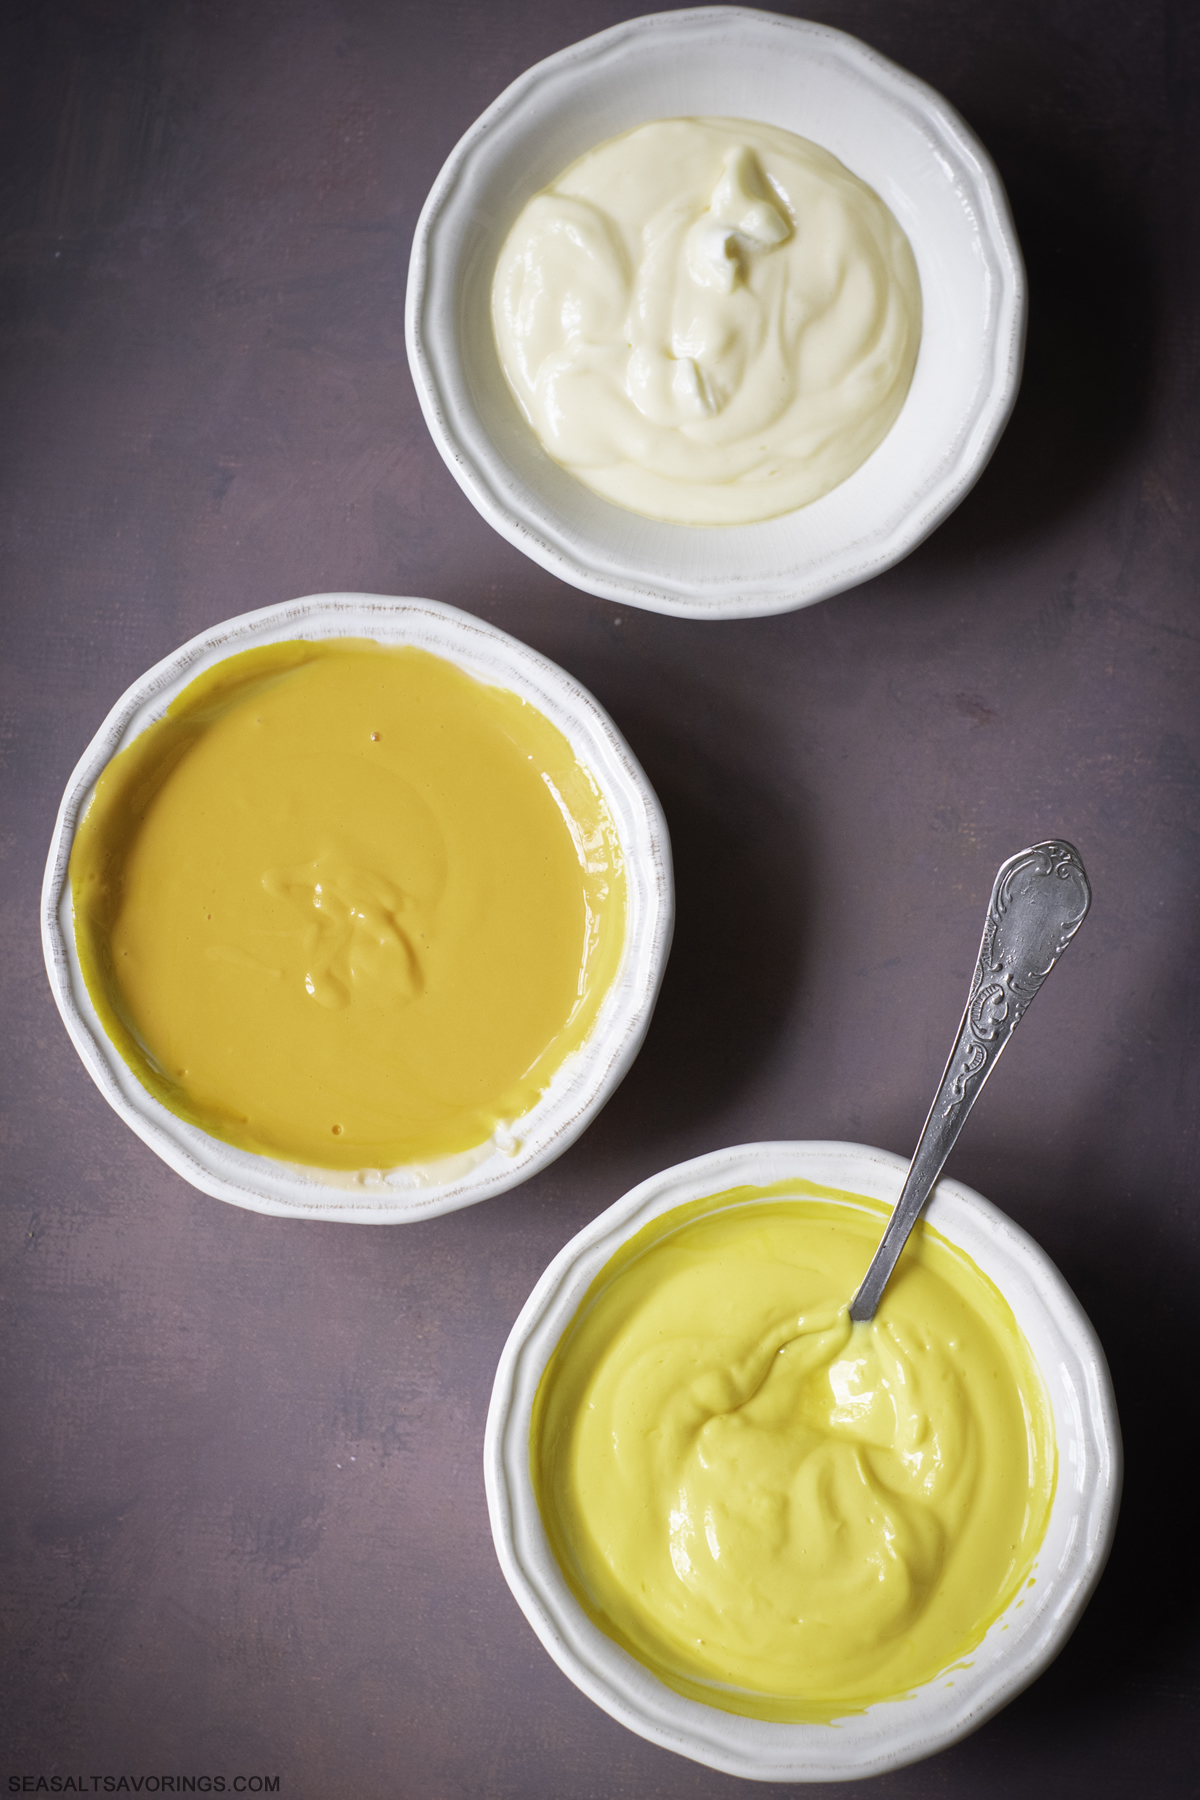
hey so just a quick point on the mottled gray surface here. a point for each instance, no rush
(243, 1518)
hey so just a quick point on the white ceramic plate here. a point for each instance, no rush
(889, 129)
(585, 1079)
(1019, 1644)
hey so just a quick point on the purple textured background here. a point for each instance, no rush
(243, 1520)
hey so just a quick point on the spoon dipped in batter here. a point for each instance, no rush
(1039, 900)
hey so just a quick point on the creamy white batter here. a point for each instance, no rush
(708, 321)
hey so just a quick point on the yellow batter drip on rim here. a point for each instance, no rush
(346, 906)
(780, 1513)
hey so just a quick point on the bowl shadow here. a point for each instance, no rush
(1137, 1286)
(742, 882)
(1091, 349)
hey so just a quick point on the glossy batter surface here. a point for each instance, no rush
(710, 321)
(778, 1512)
(346, 906)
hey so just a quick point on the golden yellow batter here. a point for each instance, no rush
(346, 906)
(780, 1513)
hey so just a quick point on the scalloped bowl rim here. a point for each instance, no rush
(904, 140)
(1017, 1647)
(585, 1080)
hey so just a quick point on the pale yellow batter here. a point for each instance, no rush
(778, 1512)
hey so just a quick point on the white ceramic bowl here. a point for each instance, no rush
(1019, 1644)
(889, 129)
(585, 1079)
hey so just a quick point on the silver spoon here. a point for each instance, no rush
(1039, 900)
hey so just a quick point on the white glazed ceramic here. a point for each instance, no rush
(585, 1079)
(889, 129)
(1019, 1644)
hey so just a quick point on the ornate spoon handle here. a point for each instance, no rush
(1039, 901)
